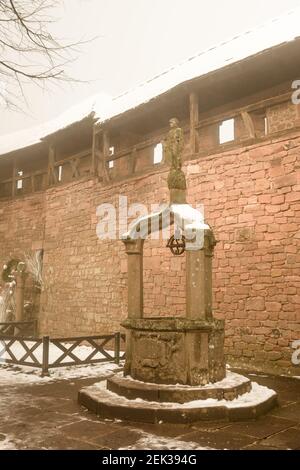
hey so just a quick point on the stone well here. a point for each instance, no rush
(174, 367)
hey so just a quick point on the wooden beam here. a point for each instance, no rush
(252, 107)
(32, 183)
(14, 182)
(94, 150)
(132, 157)
(74, 165)
(249, 124)
(52, 176)
(194, 120)
(106, 146)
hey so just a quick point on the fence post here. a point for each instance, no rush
(45, 364)
(117, 347)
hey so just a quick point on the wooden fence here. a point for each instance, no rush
(48, 353)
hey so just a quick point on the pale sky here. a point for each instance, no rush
(137, 39)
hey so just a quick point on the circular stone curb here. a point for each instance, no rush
(108, 405)
(228, 389)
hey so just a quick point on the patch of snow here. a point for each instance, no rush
(27, 137)
(258, 375)
(231, 380)
(13, 375)
(152, 442)
(274, 32)
(257, 395)
(188, 219)
(8, 443)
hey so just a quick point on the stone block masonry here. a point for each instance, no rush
(251, 197)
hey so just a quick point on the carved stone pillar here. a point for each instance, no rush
(20, 277)
(134, 250)
(199, 280)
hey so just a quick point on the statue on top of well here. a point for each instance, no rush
(173, 151)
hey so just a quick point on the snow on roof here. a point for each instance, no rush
(27, 137)
(275, 32)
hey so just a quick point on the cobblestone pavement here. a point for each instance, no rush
(47, 416)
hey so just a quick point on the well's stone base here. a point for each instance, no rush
(175, 351)
(228, 389)
(109, 405)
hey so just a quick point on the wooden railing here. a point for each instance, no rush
(40, 180)
(201, 135)
(46, 353)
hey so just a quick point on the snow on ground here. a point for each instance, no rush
(150, 441)
(8, 442)
(231, 380)
(13, 374)
(257, 395)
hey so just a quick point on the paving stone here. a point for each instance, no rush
(210, 426)
(48, 416)
(117, 439)
(264, 427)
(291, 411)
(288, 439)
(260, 447)
(67, 444)
(88, 429)
(220, 439)
(166, 430)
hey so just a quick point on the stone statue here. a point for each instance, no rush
(173, 149)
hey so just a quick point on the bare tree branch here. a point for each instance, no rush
(29, 53)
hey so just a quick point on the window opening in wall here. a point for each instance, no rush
(158, 154)
(226, 131)
(111, 163)
(266, 125)
(20, 182)
(60, 171)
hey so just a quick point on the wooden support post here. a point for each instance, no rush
(45, 364)
(94, 150)
(52, 176)
(249, 124)
(14, 181)
(32, 183)
(132, 161)
(20, 277)
(106, 146)
(117, 347)
(194, 120)
(74, 165)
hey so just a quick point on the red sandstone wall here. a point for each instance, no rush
(22, 231)
(252, 200)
